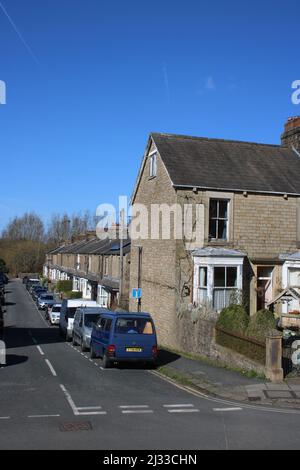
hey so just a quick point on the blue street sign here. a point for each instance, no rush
(137, 293)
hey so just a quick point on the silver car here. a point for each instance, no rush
(45, 300)
(84, 319)
(53, 314)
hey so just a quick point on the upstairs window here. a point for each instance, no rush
(153, 165)
(218, 219)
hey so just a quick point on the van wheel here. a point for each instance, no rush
(92, 353)
(82, 346)
(74, 342)
(106, 362)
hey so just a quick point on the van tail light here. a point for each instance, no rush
(154, 351)
(111, 350)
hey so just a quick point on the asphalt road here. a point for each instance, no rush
(54, 397)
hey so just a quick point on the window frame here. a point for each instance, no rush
(153, 164)
(218, 219)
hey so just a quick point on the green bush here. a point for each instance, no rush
(64, 286)
(233, 318)
(260, 324)
(73, 295)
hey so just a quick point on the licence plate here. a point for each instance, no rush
(134, 350)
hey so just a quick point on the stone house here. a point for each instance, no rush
(93, 265)
(221, 220)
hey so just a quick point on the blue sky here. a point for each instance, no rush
(88, 80)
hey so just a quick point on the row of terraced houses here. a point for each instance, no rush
(244, 199)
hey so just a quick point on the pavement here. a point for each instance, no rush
(220, 382)
(53, 396)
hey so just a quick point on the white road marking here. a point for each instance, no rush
(51, 368)
(128, 407)
(4, 417)
(40, 350)
(136, 411)
(178, 406)
(43, 416)
(187, 410)
(228, 409)
(81, 408)
(69, 400)
(91, 413)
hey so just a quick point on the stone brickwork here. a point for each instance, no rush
(261, 225)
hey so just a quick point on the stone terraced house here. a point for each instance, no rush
(243, 199)
(93, 265)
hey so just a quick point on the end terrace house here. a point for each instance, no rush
(93, 265)
(221, 220)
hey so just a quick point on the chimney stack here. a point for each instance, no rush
(291, 135)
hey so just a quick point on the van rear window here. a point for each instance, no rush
(140, 326)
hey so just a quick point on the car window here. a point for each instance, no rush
(90, 319)
(129, 325)
(108, 325)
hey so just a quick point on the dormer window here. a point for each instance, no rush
(153, 165)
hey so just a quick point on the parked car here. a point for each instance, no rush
(38, 292)
(53, 314)
(32, 282)
(45, 300)
(33, 287)
(67, 313)
(84, 320)
(121, 337)
(1, 322)
(2, 293)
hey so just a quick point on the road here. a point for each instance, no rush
(52, 396)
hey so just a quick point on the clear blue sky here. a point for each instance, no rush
(87, 80)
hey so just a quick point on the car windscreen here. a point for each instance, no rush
(71, 312)
(90, 318)
(56, 309)
(142, 326)
(47, 297)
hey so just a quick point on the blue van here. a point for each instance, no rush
(122, 337)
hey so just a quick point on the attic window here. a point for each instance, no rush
(153, 165)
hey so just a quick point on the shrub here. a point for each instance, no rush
(64, 286)
(73, 295)
(260, 324)
(233, 318)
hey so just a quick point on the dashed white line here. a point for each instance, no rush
(40, 351)
(227, 409)
(4, 417)
(128, 407)
(43, 416)
(187, 410)
(51, 368)
(137, 411)
(179, 406)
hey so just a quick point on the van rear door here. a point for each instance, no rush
(134, 338)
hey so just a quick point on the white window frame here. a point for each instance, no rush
(287, 266)
(211, 263)
(153, 164)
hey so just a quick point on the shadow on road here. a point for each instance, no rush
(16, 337)
(13, 360)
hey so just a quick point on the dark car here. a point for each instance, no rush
(121, 337)
(36, 293)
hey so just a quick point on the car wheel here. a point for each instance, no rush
(106, 362)
(82, 346)
(93, 355)
(74, 342)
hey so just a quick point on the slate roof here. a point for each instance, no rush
(229, 165)
(94, 247)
